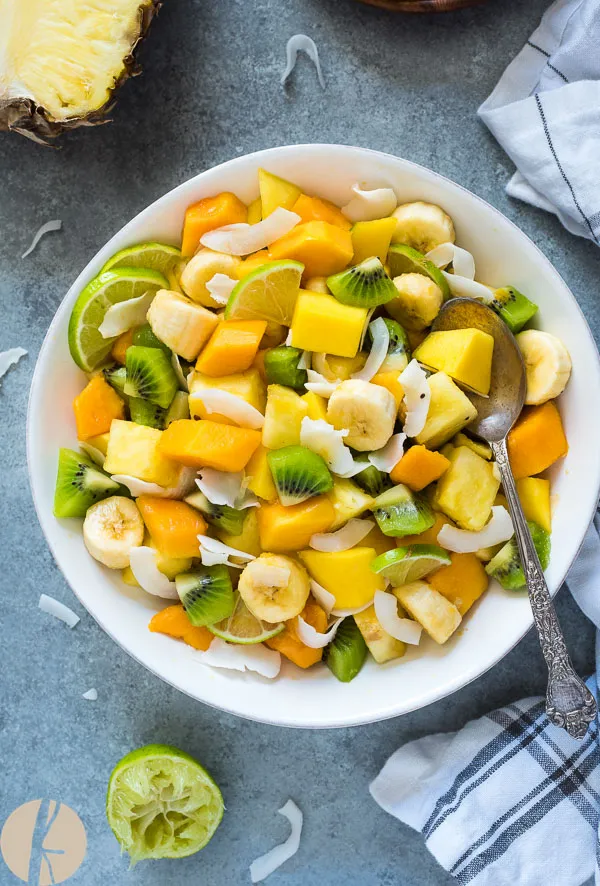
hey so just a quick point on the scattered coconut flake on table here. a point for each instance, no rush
(463, 287)
(386, 458)
(403, 629)
(417, 396)
(139, 487)
(54, 225)
(92, 452)
(461, 260)
(125, 315)
(254, 657)
(222, 488)
(368, 205)
(230, 405)
(142, 561)
(91, 695)
(58, 610)
(220, 287)
(213, 552)
(266, 864)
(321, 437)
(313, 638)
(499, 529)
(301, 43)
(381, 342)
(322, 596)
(342, 539)
(9, 358)
(176, 364)
(318, 384)
(242, 239)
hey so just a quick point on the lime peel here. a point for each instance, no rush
(268, 293)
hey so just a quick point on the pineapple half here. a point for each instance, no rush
(62, 60)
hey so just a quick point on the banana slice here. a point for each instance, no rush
(366, 411)
(274, 588)
(182, 325)
(418, 301)
(111, 528)
(547, 363)
(201, 268)
(422, 226)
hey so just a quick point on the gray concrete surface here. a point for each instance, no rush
(408, 85)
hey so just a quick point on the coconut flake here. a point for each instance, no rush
(320, 365)
(417, 396)
(262, 867)
(93, 453)
(403, 629)
(242, 239)
(219, 487)
(499, 529)
(220, 287)
(301, 43)
(381, 342)
(321, 437)
(54, 225)
(125, 315)
(323, 597)
(58, 610)
(353, 611)
(343, 539)
(318, 384)
(142, 561)
(253, 657)
(9, 358)
(91, 695)
(139, 487)
(386, 458)
(305, 361)
(271, 576)
(230, 405)
(461, 260)
(367, 205)
(465, 288)
(176, 364)
(313, 638)
(213, 552)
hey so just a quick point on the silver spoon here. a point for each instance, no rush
(569, 703)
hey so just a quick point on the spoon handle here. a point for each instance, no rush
(569, 703)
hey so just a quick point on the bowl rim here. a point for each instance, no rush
(434, 695)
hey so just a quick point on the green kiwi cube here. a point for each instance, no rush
(281, 367)
(399, 511)
(206, 594)
(116, 376)
(515, 308)
(179, 408)
(346, 653)
(372, 480)
(143, 412)
(506, 566)
(403, 259)
(150, 375)
(79, 484)
(229, 519)
(145, 337)
(364, 286)
(298, 474)
(399, 354)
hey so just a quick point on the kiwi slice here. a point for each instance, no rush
(398, 355)
(150, 375)
(364, 286)
(281, 367)
(79, 484)
(179, 408)
(206, 594)
(404, 259)
(399, 512)
(230, 520)
(143, 412)
(116, 376)
(144, 336)
(515, 308)
(506, 566)
(372, 480)
(298, 474)
(346, 653)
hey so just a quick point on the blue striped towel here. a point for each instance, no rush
(510, 800)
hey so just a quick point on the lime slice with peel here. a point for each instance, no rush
(161, 803)
(88, 348)
(155, 256)
(243, 627)
(268, 293)
(403, 565)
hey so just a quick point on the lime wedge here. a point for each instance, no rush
(243, 627)
(403, 565)
(268, 293)
(156, 256)
(404, 259)
(161, 803)
(87, 346)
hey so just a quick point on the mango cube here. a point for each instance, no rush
(439, 616)
(462, 582)
(345, 574)
(464, 354)
(450, 410)
(348, 501)
(290, 528)
(259, 477)
(324, 325)
(323, 248)
(283, 417)
(371, 238)
(468, 489)
(133, 450)
(247, 385)
(316, 209)
(534, 493)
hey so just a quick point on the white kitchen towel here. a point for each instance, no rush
(545, 112)
(510, 800)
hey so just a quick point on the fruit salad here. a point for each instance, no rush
(274, 442)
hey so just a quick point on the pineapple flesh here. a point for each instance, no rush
(468, 489)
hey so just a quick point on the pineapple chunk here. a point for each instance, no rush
(133, 450)
(283, 417)
(345, 574)
(248, 540)
(449, 411)
(275, 191)
(464, 354)
(324, 325)
(259, 477)
(467, 490)
(478, 446)
(534, 493)
(439, 616)
(382, 645)
(348, 501)
(247, 385)
(101, 443)
(317, 406)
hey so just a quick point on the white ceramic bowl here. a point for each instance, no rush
(315, 698)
